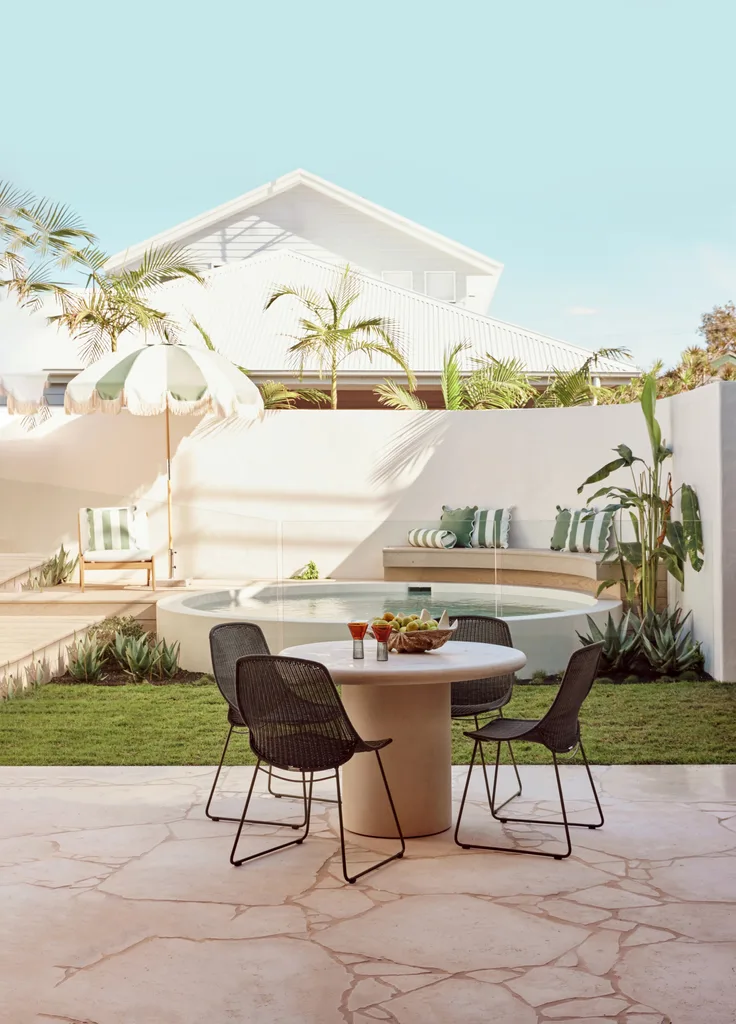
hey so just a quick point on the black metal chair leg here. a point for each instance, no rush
(532, 821)
(485, 772)
(464, 797)
(592, 786)
(222, 817)
(394, 856)
(212, 817)
(281, 846)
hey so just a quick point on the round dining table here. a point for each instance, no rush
(406, 699)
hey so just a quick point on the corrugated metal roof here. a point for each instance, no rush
(230, 308)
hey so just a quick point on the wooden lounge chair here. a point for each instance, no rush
(115, 538)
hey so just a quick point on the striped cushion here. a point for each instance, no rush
(432, 539)
(491, 528)
(111, 529)
(581, 529)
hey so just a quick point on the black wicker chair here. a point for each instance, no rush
(558, 731)
(474, 697)
(228, 642)
(297, 723)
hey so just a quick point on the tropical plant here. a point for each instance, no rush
(135, 655)
(107, 631)
(330, 334)
(307, 572)
(165, 659)
(667, 646)
(649, 502)
(492, 384)
(620, 641)
(38, 239)
(275, 395)
(85, 660)
(114, 302)
(52, 572)
(577, 387)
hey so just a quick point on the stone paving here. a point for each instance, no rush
(119, 906)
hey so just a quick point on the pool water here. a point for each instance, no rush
(358, 605)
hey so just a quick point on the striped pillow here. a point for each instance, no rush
(581, 529)
(111, 529)
(432, 539)
(491, 528)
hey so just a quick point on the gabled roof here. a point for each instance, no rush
(180, 233)
(230, 308)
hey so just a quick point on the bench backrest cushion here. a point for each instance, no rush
(581, 529)
(432, 539)
(460, 522)
(491, 528)
(112, 529)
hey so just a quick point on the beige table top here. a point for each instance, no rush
(457, 660)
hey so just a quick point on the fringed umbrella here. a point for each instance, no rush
(178, 379)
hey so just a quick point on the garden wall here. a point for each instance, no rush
(255, 501)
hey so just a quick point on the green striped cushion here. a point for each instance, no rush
(432, 539)
(491, 528)
(581, 529)
(110, 529)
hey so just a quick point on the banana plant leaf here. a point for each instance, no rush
(648, 402)
(675, 565)
(602, 473)
(692, 526)
(631, 551)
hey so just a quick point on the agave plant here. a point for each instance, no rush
(667, 646)
(620, 641)
(86, 660)
(165, 660)
(54, 571)
(135, 655)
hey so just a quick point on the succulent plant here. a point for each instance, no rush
(54, 571)
(166, 659)
(621, 641)
(668, 646)
(135, 655)
(86, 660)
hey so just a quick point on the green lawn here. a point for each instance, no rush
(667, 723)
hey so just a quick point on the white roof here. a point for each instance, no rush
(230, 308)
(235, 207)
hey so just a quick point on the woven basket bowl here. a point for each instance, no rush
(417, 642)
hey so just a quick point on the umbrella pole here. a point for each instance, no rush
(168, 491)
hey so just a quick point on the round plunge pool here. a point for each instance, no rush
(544, 623)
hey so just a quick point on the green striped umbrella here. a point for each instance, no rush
(178, 379)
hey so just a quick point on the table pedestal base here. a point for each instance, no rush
(417, 763)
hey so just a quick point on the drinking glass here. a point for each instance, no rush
(357, 632)
(382, 632)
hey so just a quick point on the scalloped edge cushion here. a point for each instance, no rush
(432, 538)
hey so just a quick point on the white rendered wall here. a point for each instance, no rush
(260, 501)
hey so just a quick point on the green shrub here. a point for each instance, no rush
(106, 631)
(308, 572)
(86, 660)
(540, 676)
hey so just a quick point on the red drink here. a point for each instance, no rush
(358, 629)
(382, 632)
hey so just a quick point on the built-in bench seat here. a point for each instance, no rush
(529, 567)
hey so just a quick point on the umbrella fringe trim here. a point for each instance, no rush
(177, 407)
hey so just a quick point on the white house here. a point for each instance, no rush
(302, 230)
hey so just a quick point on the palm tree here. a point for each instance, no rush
(37, 239)
(116, 301)
(330, 335)
(577, 387)
(275, 395)
(493, 384)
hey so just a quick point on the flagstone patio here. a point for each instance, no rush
(119, 906)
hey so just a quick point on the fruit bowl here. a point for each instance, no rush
(420, 633)
(418, 643)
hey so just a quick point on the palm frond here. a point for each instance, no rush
(451, 379)
(203, 333)
(157, 266)
(395, 396)
(568, 388)
(308, 296)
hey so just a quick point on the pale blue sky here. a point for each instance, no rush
(588, 146)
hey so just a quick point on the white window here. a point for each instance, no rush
(400, 278)
(440, 284)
